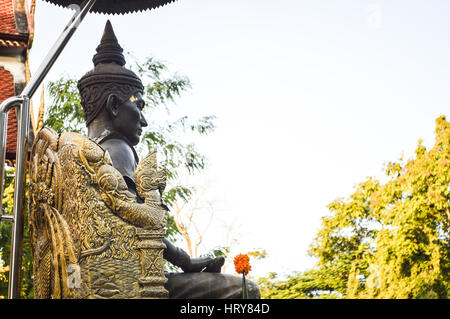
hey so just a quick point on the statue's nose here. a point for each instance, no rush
(143, 121)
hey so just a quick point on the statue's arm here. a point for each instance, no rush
(115, 194)
(141, 215)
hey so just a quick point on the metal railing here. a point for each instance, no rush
(22, 105)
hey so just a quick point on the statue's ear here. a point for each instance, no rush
(112, 105)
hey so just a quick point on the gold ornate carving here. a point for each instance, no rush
(90, 236)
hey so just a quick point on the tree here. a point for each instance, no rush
(186, 216)
(161, 89)
(386, 240)
(5, 244)
(310, 284)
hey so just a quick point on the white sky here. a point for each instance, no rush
(311, 98)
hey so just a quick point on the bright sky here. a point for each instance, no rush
(311, 97)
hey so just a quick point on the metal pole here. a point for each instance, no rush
(22, 141)
(8, 218)
(19, 199)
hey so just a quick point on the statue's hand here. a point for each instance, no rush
(157, 214)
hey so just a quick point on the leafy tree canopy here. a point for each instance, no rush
(386, 240)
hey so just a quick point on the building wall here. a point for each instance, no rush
(7, 89)
(14, 43)
(15, 65)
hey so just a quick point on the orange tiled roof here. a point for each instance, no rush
(6, 91)
(7, 21)
(9, 36)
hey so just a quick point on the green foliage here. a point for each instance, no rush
(64, 114)
(258, 254)
(217, 251)
(386, 240)
(315, 283)
(5, 244)
(160, 87)
(176, 156)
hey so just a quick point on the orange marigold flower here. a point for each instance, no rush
(242, 264)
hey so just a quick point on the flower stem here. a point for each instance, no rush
(244, 287)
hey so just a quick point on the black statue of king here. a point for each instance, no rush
(111, 97)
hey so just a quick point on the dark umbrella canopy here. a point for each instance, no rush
(116, 6)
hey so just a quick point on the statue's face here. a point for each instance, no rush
(129, 120)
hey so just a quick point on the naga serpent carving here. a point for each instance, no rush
(90, 236)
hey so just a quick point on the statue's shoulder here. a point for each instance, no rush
(78, 144)
(116, 145)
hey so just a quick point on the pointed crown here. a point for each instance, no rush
(108, 74)
(109, 50)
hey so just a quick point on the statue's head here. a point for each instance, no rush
(111, 93)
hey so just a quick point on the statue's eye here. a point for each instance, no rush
(138, 101)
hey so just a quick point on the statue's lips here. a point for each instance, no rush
(139, 132)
